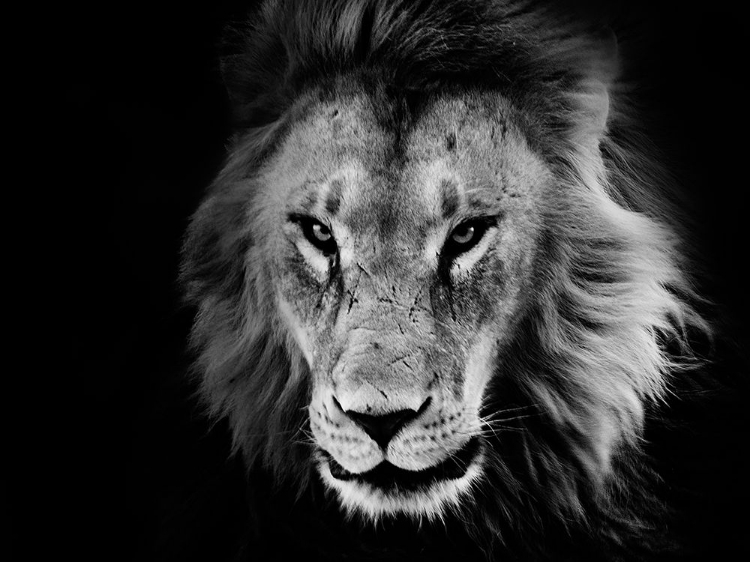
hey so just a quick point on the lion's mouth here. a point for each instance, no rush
(387, 476)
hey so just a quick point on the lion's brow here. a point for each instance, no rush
(333, 196)
(316, 194)
(480, 200)
(308, 196)
(453, 197)
(450, 198)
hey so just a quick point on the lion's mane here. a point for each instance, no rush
(614, 316)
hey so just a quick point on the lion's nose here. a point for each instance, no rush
(382, 428)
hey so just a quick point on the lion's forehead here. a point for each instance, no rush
(352, 162)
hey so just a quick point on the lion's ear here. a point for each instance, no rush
(592, 105)
(231, 76)
(592, 101)
(254, 78)
(243, 90)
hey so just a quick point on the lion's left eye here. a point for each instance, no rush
(318, 234)
(465, 236)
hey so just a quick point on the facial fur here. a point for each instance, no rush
(392, 321)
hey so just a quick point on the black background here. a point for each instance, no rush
(144, 123)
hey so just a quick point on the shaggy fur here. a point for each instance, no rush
(596, 359)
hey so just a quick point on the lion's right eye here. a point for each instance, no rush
(318, 234)
(465, 236)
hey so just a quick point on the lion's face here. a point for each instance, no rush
(401, 253)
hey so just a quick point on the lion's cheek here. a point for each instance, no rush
(297, 332)
(479, 367)
(306, 311)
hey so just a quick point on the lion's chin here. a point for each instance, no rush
(388, 490)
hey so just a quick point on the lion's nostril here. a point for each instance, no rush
(382, 428)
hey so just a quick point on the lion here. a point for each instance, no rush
(443, 287)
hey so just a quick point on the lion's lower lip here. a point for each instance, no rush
(388, 476)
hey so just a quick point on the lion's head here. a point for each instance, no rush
(400, 274)
(429, 270)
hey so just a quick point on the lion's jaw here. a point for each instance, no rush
(389, 327)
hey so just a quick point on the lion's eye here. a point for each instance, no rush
(318, 234)
(465, 236)
(321, 233)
